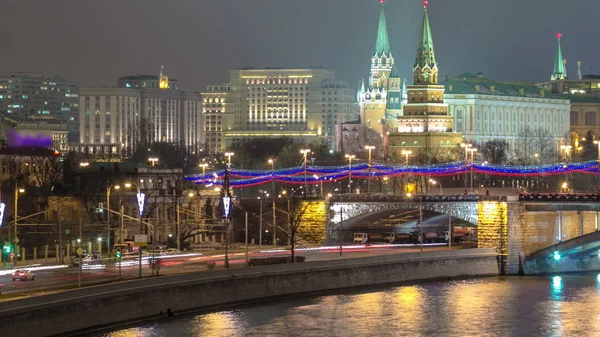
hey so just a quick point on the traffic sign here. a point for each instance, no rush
(79, 251)
(141, 240)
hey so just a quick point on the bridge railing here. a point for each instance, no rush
(575, 197)
(414, 198)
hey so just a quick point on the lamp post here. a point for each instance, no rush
(272, 163)
(435, 182)
(153, 160)
(385, 180)
(567, 150)
(16, 240)
(466, 146)
(226, 206)
(108, 190)
(203, 166)
(320, 181)
(406, 153)
(369, 148)
(472, 151)
(598, 163)
(350, 157)
(305, 153)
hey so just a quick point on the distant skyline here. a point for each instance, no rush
(198, 41)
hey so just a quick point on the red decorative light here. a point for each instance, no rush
(558, 35)
(425, 3)
(381, 1)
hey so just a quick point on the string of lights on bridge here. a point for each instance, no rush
(327, 174)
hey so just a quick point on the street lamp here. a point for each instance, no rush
(472, 151)
(17, 191)
(321, 181)
(85, 164)
(305, 153)
(598, 161)
(406, 153)
(153, 160)
(203, 166)
(108, 189)
(226, 206)
(369, 148)
(434, 182)
(350, 157)
(466, 146)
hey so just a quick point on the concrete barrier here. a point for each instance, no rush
(87, 308)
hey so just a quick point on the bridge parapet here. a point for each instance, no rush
(415, 198)
(563, 197)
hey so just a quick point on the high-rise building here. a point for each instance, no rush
(380, 101)
(27, 95)
(425, 123)
(267, 103)
(145, 107)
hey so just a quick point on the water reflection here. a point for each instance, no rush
(564, 305)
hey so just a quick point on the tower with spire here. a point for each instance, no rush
(381, 96)
(560, 70)
(425, 122)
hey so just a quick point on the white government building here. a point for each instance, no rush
(485, 109)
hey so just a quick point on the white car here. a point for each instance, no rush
(22, 275)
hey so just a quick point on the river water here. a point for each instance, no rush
(565, 305)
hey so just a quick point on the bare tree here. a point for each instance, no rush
(296, 211)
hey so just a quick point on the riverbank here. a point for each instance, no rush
(82, 309)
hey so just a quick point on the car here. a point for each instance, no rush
(22, 275)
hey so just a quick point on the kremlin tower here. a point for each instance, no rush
(425, 123)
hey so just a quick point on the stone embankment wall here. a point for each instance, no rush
(87, 308)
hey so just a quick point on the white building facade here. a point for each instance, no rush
(113, 119)
(485, 110)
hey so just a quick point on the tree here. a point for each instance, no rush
(296, 211)
(495, 151)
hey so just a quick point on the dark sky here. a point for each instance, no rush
(95, 42)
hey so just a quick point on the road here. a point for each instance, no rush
(65, 277)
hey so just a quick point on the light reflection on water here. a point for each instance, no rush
(567, 305)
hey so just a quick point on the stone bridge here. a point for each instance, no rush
(517, 226)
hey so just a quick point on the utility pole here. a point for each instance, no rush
(80, 255)
(121, 239)
(246, 215)
(274, 225)
(178, 224)
(370, 148)
(341, 228)
(60, 241)
(260, 225)
(421, 224)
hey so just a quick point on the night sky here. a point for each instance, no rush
(95, 42)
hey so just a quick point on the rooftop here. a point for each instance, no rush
(477, 84)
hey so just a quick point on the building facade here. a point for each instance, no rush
(485, 109)
(28, 95)
(266, 103)
(583, 92)
(145, 107)
(425, 124)
(379, 101)
(54, 128)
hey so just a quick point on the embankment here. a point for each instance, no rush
(83, 309)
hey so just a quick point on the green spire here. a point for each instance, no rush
(383, 42)
(425, 53)
(394, 73)
(560, 73)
